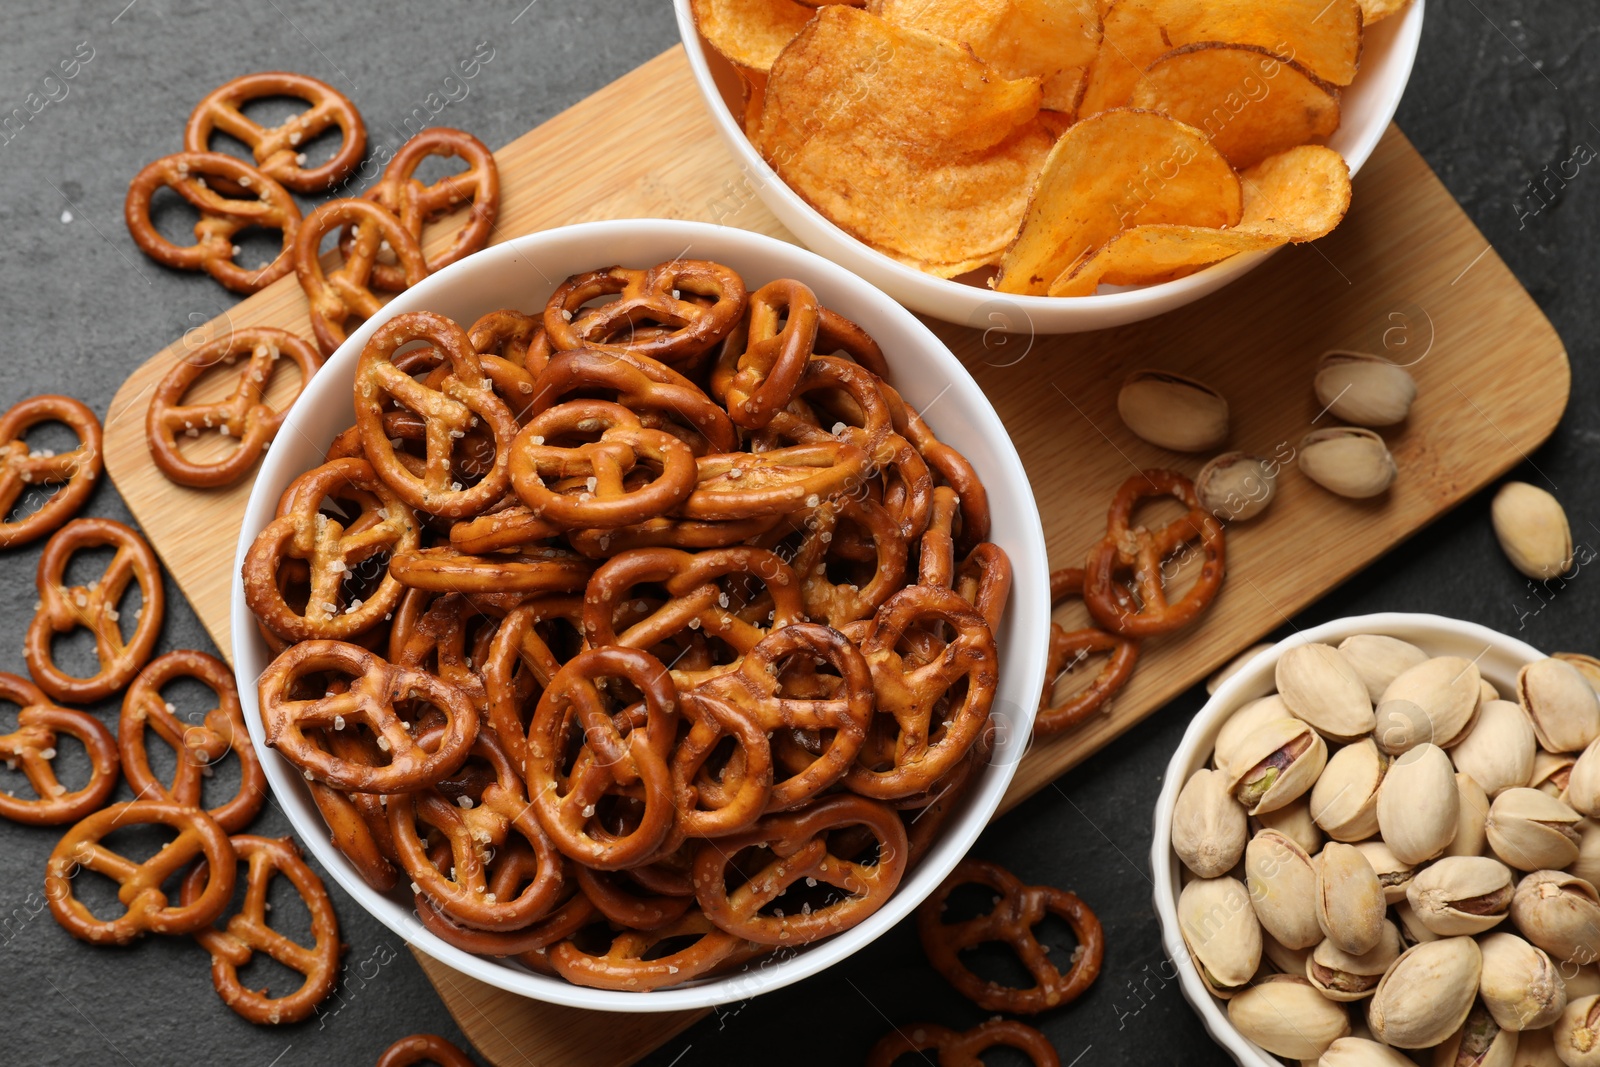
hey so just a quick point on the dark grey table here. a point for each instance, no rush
(1504, 94)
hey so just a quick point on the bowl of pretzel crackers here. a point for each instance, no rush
(667, 628)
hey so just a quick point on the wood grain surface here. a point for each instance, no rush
(1407, 276)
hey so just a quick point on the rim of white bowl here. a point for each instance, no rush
(1163, 296)
(1255, 679)
(1026, 625)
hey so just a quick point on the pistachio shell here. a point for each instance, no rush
(1519, 983)
(1208, 825)
(1583, 784)
(1321, 686)
(1348, 461)
(1350, 904)
(1412, 930)
(1286, 1016)
(1276, 765)
(1220, 928)
(1498, 751)
(1172, 411)
(1580, 981)
(1532, 529)
(1587, 665)
(1537, 1048)
(1244, 722)
(1340, 976)
(1560, 913)
(1234, 666)
(1559, 700)
(1361, 1052)
(1587, 865)
(1427, 994)
(1551, 772)
(1294, 822)
(1577, 1033)
(1344, 802)
(1480, 1042)
(1282, 882)
(1461, 895)
(1472, 813)
(1487, 692)
(1419, 805)
(1363, 389)
(1380, 659)
(1236, 487)
(1287, 960)
(1433, 701)
(1393, 875)
(1533, 831)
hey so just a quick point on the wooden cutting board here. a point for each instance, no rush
(1407, 275)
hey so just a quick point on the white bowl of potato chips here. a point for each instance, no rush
(1051, 166)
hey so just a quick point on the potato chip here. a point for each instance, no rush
(1324, 36)
(1378, 10)
(755, 101)
(1052, 39)
(903, 139)
(1299, 195)
(1117, 169)
(750, 33)
(1251, 104)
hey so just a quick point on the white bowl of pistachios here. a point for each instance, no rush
(1374, 847)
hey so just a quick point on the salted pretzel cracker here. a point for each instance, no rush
(31, 748)
(280, 150)
(423, 1048)
(761, 362)
(653, 296)
(21, 466)
(346, 292)
(417, 204)
(963, 1048)
(1070, 647)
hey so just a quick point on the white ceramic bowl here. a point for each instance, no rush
(521, 274)
(1498, 657)
(1368, 106)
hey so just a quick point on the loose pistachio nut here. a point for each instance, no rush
(1533, 831)
(1427, 994)
(1244, 722)
(1348, 461)
(1350, 904)
(1276, 765)
(1282, 881)
(1380, 659)
(1561, 914)
(1363, 389)
(1234, 666)
(1172, 411)
(1587, 665)
(1461, 895)
(1208, 825)
(1285, 1015)
(1577, 1033)
(1219, 926)
(1344, 802)
(1361, 1052)
(1292, 821)
(1583, 783)
(1419, 805)
(1532, 529)
(1498, 751)
(1393, 875)
(1236, 487)
(1519, 984)
(1340, 976)
(1551, 772)
(1479, 1043)
(1434, 701)
(1472, 814)
(1319, 685)
(1559, 700)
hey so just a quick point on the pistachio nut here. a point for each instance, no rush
(1532, 530)
(1473, 812)
(1427, 994)
(1533, 831)
(1234, 666)
(1340, 976)
(1561, 703)
(1551, 772)
(1380, 659)
(1321, 686)
(1222, 934)
(1462, 895)
(1412, 930)
(1487, 692)
(1537, 1048)
(1294, 822)
(1173, 411)
(1244, 722)
(1519, 984)
(1583, 783)
(1344, 802)
(1587, 865)
(1276, 764)
(1282, 881)
(1362, 1052)
(1236, 487)
(1285, 1015)
(1577, 1033)
(1581, 981)
(1350, 904)
(1364, 389)
(1287, 960)
(1419, 805)
(1348, 461)
(1498, 751)
(1587, 665)
(1480, 1042)
(1208, 825)
(1393, 875)
(1561, 914)
(1434, 701)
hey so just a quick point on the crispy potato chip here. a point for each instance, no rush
(1299, 195)
(1117, 169)
(1378, 10)
(755, 100)
(901, 138)
(1323, 36)
(941, 270)
(1251, 104)
(750, 33)
(1051, 39)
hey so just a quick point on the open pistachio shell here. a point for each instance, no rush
(1472, 813)
(1362, 1052)
(1587, 865)
(1219, 926)
(1462, 895)
(1433, 701)
(1340, 976)
(1321, 686)
(1564, 708)
(1236, 487)
(1532, 529)
(1208, 825)
(1244, 722)
(1364, 389)
(1427, 994)
(1412, 930)
(1419, 805)
(1350, 904)
(1560, 913)
(1583, 784)
(1380, 659)
(1292, 821)
(1282, 881)
(1347, 460)
(1481, 1042)
(1577, 1033)
(1587, 665)
(1498, 750)
(1533, 831)
(1394, 875)
(1276, 765)
(1286, 1016)
(1551, 772)
(1344, 802)
(1173, 411)
(1519, 984)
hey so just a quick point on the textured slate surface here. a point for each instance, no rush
(1503, 96)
